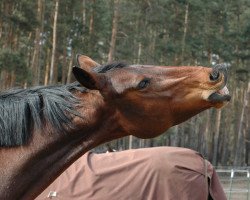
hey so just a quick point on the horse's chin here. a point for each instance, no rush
(220, 105)
(220, 98)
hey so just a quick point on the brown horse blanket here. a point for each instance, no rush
(160, 173)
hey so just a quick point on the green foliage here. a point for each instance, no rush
(14, 61)
(24, 15)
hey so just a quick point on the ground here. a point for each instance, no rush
(236, 183)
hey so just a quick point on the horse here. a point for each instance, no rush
(138, 174)
(44, 129)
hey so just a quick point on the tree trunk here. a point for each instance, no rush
(35, 67)
(1, 20)
(216, 136)
(7, 37)
(12, 79)
(46, 74)
(226, 137)
(64, 66)
(114, 31)
(130, 143)
(40, 77)
(52, 66)
(201, 136)
(84, 13)
(207, 134)
(240, 142)
(91, 20)
(247, 129)
(70, 68)
(91, 35)
(176, 136)
(3, 79)
(184, 33)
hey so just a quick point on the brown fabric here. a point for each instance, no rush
(161, 173)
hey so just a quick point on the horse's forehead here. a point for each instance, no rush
(141, 69)
(146, 67)
(132, 73)
(162, 70)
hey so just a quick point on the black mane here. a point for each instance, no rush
(23, 110)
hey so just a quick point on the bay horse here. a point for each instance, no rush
(44, 129)
(155, 173)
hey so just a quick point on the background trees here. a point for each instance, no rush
(39, 40)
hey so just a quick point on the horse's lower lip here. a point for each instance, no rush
(220, 96)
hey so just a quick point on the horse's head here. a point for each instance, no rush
(150, 99)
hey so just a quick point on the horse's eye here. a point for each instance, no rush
(143, 84)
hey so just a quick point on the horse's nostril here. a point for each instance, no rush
(214, 76)
(217, 71)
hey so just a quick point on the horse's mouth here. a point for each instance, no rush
(221, 97)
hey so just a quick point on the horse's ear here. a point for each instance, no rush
(86, 62)
(85, 78)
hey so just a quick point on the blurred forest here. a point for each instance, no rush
(39, 41)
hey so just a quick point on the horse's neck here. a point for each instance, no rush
(27, 170)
